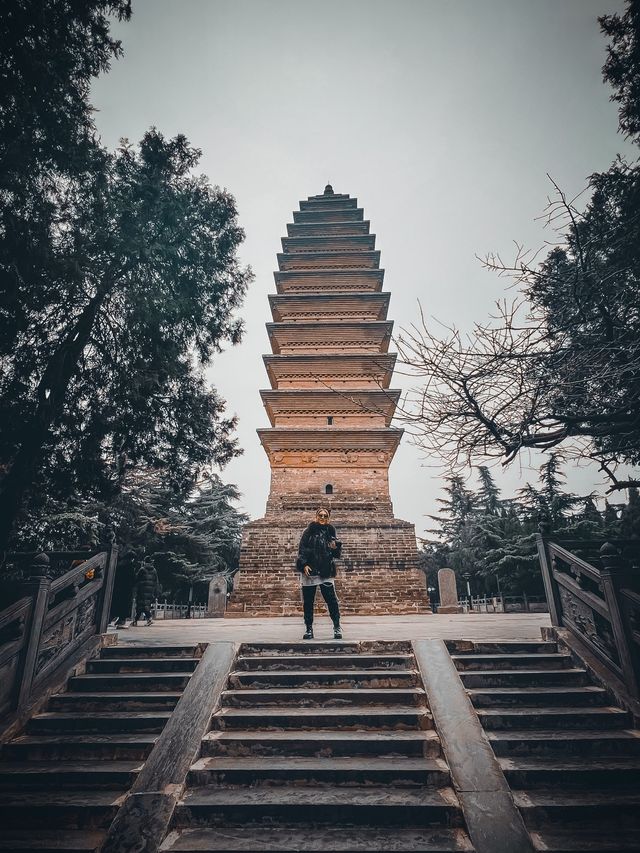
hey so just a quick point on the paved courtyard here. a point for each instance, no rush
(463, 626)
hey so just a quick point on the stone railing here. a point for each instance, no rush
(595, 595)
(52, 621)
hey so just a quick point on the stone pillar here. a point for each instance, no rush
(217, 601)
(448, 592)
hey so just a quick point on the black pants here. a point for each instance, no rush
(329, 594)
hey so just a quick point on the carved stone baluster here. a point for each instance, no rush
(38, 587)
(614, 576)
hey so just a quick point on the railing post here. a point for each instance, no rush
(38, 586)
(107, 588)
(613, 575)
(550, 585)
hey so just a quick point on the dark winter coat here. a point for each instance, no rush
(146, 586)
(314, 550)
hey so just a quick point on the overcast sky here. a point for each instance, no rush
(442, 118)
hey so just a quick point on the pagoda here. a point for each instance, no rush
(330, 407)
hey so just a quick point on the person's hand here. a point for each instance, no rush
(332, 544)
(307, 570)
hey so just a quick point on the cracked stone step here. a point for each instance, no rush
(594, 839)
(571, 809)
(153, 682)
(309, 647)
(561, 743)
(101, 666)
(284, 770)
(317, 678)
(607, 717)
(305, 696)
(492, 647)
(325, 661)
(328, 743)
(67, 774)
(58, 809)
(293, 804)
(543, 772)
(287, 839)
(574, 677)
(140, 651)
(103, 721)
(494, 662)
(86, 701)
(81, 747)
(542, 696)
(387, 717)
(64, 841)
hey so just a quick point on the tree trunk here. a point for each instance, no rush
(51, 393)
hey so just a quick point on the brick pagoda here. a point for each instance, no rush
(330, 407)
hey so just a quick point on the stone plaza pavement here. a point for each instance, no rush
(463, 626)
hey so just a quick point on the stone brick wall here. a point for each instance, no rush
(377, 575)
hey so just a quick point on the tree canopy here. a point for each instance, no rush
(559, 368)
(120, 279)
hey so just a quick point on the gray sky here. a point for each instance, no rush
(442, 118)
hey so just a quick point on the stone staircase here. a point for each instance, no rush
(571, 757)
(320, 747)
(62, 781)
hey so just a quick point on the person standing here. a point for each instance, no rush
(319, 548)
(146, 590)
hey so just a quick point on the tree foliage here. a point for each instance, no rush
(119, 275)
(559, 366)
(492, 540)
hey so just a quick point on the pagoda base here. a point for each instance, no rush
(377, 577)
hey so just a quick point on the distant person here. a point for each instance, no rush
(146, 591)
(319, 548)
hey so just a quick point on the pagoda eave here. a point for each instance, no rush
(330, 439)
(331, 367)
(329, 306)
(328, 402)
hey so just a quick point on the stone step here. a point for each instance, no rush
(58, 809)
(388, 717)
(493, 647)
(588, 839)
(543, 809)
(287, 839)
(285, 770)
(372, 678)
(44, 841)
(539, 696)
(280, 663)
(305, 696)
(47, 775)
(103, 721)
(114, 701)
(137, 650)
(139, 665)
(392, 744)
(573, 772)
(606, 717)
(154, 682)
(362, 806)
(512, 742)
(574, 677)
(80, 747)
(308, 647)
(493, 662)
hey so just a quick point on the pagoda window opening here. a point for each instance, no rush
(330, 420)
(328, 489)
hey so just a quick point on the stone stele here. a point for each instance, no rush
(448, 592)
(330, 407)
